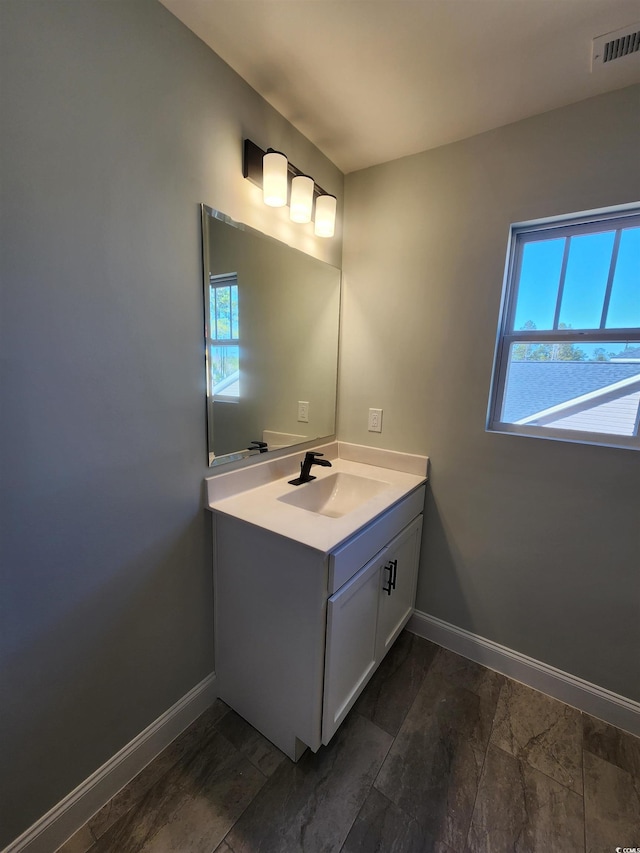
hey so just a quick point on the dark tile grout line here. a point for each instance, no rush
(393, 740)
(373, 783)
(266, 782)
(584, 790)
(538, 769)
(484, 761)
(160, 778)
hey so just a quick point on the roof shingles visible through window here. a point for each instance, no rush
(536, 385)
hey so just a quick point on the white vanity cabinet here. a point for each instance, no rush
(364, 617)
(299, 632)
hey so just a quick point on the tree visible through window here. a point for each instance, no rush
(568, 355)
(223, 337)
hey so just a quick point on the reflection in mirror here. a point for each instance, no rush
(271, 317)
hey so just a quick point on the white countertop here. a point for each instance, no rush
(255, 498)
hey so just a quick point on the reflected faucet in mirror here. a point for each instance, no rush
(262, 446)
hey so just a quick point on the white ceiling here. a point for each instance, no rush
(371, 80)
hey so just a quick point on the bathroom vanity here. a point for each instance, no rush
(312, 584)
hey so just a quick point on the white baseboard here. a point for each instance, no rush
(603, 704)
(60, 823)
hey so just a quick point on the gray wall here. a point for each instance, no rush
(530, 543)
(116, 123)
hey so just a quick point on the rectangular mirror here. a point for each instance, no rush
(272, 318)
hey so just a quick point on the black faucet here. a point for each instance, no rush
(311, 458)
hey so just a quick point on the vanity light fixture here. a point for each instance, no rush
(282, 183)
(275, 170)
(301, 205)
(325, 224)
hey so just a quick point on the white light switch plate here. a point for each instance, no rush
(303, 411)
(375, 420)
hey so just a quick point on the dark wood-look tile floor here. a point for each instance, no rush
(439, 755)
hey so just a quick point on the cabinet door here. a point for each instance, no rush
(352, 616)
(398, 585)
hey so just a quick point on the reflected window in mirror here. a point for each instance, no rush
(223, 338)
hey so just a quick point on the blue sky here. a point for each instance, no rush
(585, 281)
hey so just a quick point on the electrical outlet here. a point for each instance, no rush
(375, 420)
(303, 411)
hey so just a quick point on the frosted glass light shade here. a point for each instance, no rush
(325, 216)
(301, 199)
(274, 179)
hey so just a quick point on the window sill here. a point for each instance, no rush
(621, 442)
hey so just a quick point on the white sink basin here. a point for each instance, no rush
(334, 495)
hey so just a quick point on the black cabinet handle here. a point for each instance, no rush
(392, 568)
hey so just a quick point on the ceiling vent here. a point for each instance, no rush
(615, 46)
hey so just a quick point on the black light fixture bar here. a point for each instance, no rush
(252, 168)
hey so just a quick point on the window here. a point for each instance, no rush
(567, 360)
(223, 342)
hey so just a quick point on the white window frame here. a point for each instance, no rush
(218, 282)
(520, 234)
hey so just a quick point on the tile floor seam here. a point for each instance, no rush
(373, 782)
(182, 758)
(96, 837)
(393, 740)
(538, 770)
(484, 761)
(121, 818)
(246, 757)
(525, 800)
(408, 711)
(249, 802)
(354, 822)
(584, 790)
